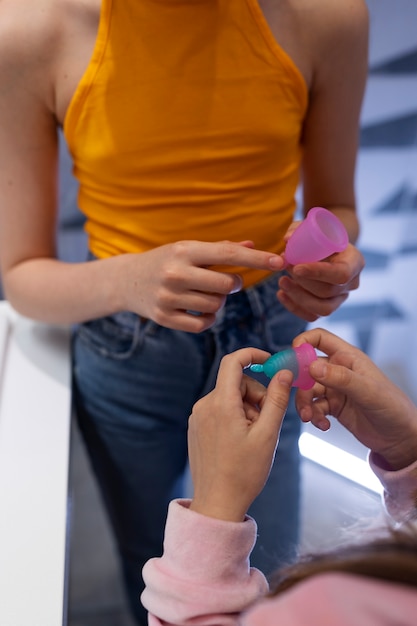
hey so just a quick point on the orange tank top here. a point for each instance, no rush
(186, 125)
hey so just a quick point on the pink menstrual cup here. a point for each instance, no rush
(297, 360)
(317, 237)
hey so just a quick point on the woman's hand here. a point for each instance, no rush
(351, 388)
(232, 437)
(314, 290)
(177, 286)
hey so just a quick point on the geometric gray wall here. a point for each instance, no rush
(381, 316)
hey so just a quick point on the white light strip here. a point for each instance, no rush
(343, 463)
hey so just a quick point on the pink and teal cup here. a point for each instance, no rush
(297, 360)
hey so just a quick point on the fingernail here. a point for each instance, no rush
(276, 262)
(306, 414)
(285, 378)
(238, 287)
(319, 369)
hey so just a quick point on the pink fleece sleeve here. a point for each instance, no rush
(400, 488)
(204, 575)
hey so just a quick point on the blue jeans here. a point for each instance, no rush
(134, 387)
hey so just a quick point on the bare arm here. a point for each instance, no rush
(337, 41)
(35, 282)
(339, 46)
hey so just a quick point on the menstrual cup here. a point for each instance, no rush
(317, 237)
(297, 360)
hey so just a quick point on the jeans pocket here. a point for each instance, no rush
(113, 337)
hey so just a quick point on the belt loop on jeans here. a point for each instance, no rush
(256, 297)
(255, 301)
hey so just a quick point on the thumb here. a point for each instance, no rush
(276, 400)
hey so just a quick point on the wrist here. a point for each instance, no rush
(227, 512)
(116, 277)
(397, 458)
(402, 453)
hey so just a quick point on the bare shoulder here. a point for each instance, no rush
(42, 40)
(27, 31)
(322, 14)
(311, 31)
(336, 37)
(327, 22)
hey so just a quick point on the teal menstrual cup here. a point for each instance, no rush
(297, 360)
(317, 237)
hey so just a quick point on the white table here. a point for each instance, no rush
(35, 414)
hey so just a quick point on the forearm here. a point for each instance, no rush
(55, 292)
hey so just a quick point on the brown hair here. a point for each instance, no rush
(393, 558)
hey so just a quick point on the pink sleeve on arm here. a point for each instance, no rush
(400, 488)
(204, 575)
